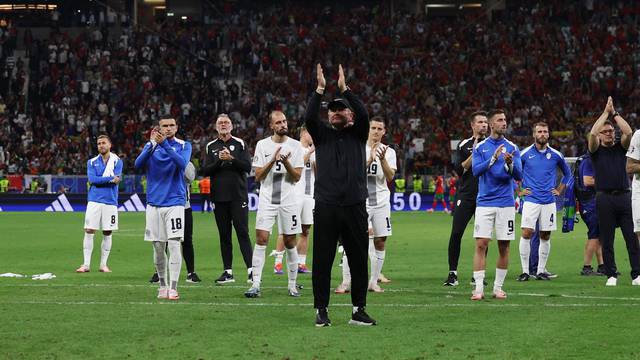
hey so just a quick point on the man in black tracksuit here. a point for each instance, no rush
(227, 163)
(465, 202)
(340, 194)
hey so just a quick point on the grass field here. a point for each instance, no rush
(117, 316)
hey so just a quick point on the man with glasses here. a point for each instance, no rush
(613, 200)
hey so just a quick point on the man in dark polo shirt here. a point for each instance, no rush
(613, 199)
(228, 163)
(340, 194)
(465, 202)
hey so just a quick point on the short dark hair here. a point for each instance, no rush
(103, 136)
(472, 117)
(379, 119)
(608, 122)
(541, 124)
(495, 112)
(167, 118)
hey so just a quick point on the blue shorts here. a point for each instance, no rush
(589, 215)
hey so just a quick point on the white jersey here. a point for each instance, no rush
(304, 187)
(634, 153)
(277, 188)
(379, 193)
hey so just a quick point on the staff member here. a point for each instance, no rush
(613, 199)
(340, 194)
(465, 205)
(227, 163)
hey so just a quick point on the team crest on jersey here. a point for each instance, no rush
(548, 155)
(232, 147)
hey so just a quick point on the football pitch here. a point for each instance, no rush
(117, 316)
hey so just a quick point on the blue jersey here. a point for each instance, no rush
(165, 164)
(495, 186)
(585, 169)
(539, 173)
(101, 189)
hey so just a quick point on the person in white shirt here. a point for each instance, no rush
(381, 167)
(278, 163)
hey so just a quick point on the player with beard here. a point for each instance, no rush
(278, 162)
(539, 164)
(496, 162)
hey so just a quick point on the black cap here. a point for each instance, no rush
(338, 104)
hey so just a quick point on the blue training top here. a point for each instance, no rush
(101, 190)
(495, 186)
(539, 173)
(165, 164)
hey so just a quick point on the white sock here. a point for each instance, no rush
(501, 274)
(376, 267)
(228, 271)
(249, 270)
(479, 278)
(175, 262)
(279, 255)
(259, 252)
(525, 252)
(292, 266)
(87, 248)
(372, 249)
(543, 254)
(160, 260)
(455, 272)
(106, 249)
(346, 271)
(302, 259)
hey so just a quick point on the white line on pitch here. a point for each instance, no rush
(309, 305)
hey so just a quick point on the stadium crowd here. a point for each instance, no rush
(553, 61)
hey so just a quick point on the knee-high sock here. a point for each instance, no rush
(525, 252)
(501, 274)
(346, 271)
(259, 252)
(292, 266)
(376, 267)
(175, 262)
(478, 276)
(106, 249)
(372, 249)
(87, 248)
(160, 260)
(279, 255)
(543, 254)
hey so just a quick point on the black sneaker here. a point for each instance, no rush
(549, 274)
(193, 278)
(452, 280)
(543, 276)
(587, 271)
(473, 282)
(225, 278)
(601, 270)
(524, 277)
(154, 278)
(360, 317)
(322, 318)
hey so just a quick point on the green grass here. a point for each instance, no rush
(116, 315)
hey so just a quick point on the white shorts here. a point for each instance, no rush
(502, 218)
(101, 217)
(306, 210)
(380, 219)
(635, 212)
(164, 223)
(532, 212)
(288, 217)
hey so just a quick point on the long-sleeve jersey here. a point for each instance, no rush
(165, 164)
(102, 190)
(539, 173)
(495, 185)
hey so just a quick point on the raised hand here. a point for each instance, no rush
(508, 157)
(609, 107)
(322, 83)
(158, 137)
(276, 155)
(498, 151)
(382, 151)
(342, 84)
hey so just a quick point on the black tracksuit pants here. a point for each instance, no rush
(462, 214)
(236, 213)
(614, 210)
(348, 223)
(187, 244)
